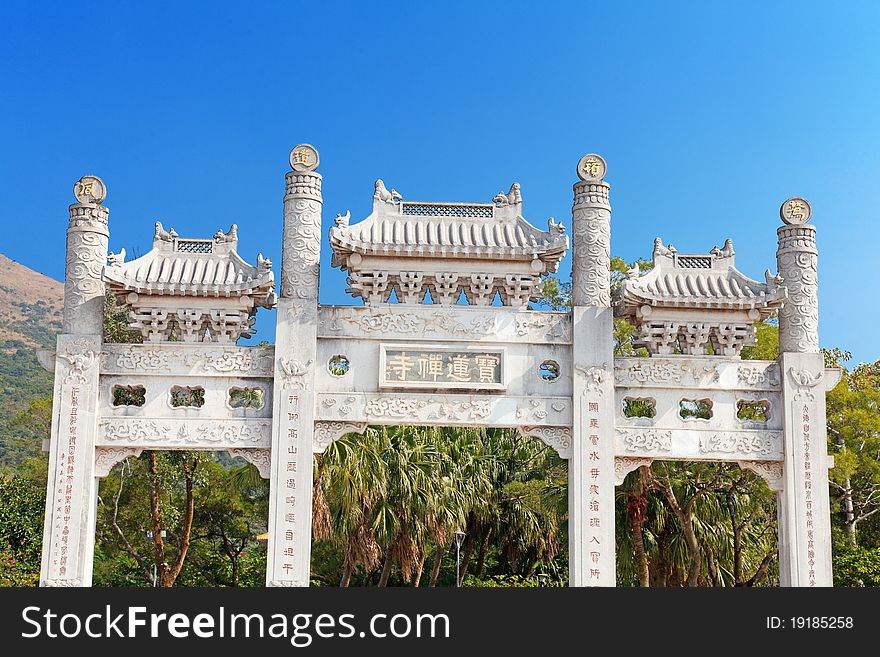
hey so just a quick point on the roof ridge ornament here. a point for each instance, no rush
(116, 259)
(660, 250)
(724, 252)
(382, 194)
(773, 282)
(512, 197)
(555, 227)
(161, 234)
(230, 236)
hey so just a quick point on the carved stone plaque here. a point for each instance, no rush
(591, 167)
(795, 211)
(90, 189)
(304, 157)
(441, 367)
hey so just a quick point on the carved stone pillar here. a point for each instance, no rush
(69, 528)
(290, 510)
(796, 260)
(591, 239)
(804, 505)
(591, 466)
(87, 237)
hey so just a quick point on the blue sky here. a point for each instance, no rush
(709, 115)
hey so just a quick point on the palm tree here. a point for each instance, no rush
(695, 524)
(354, 478)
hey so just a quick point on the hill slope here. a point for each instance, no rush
(30, 305)
(30, 316)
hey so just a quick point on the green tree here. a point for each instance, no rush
(22, 505)
(853, 411)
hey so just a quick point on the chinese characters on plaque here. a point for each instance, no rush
(449, 369)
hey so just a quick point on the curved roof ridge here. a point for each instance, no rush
(183, 266)
(494, 230)
(697, 281)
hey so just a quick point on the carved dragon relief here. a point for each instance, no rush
(293, 373)
(472, 409)
(805, 382)
(81, 356)
(595, 376)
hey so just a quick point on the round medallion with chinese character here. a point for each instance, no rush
(89, 189)
(304, 158)
(591, 167)
(795, 211)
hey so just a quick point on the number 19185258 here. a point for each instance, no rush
(810, 623)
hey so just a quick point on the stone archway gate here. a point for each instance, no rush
(337, 369)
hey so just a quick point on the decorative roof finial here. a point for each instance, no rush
(795, 211)
(231, 236)
(116, 259)
(162, 234)
(304, 157)
(592, 168)
(381, 193)
(660, 250)
(90, 190)
(555, 227)
(512, 197)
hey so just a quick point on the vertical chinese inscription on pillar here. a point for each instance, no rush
(595, 465)
(64, 489)
(290, 455)
(808, 494)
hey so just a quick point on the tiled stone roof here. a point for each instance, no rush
(699, 281)
(192, 267)
(494, 230)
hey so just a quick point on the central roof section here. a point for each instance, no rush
(446, 249)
